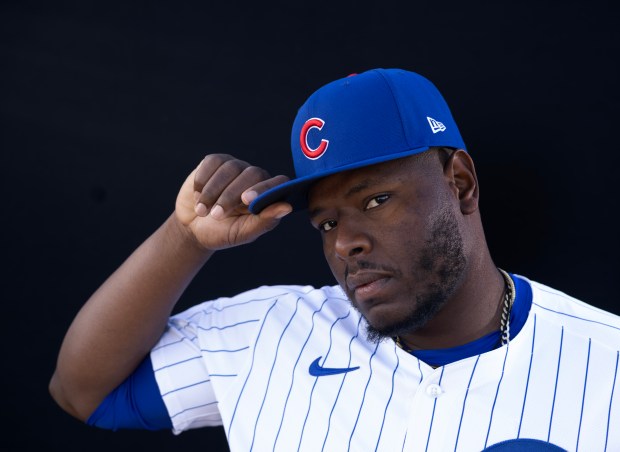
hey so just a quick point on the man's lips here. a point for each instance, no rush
(366, 284)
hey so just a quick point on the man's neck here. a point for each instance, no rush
(473, 311)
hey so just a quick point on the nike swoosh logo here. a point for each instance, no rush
(318, 371)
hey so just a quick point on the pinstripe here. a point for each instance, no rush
(555, 389)
(210, 308)
(225, 350)
(232, 418)
(430, 428)
(499, 383)
(168, 344)
(420, 369)
(329, 420)
(185, 338)
(225, 327)
(458, 433)
(187, 325)
(172, 416)
(527, 383)
(576, 317)
(359, 411)
(251, 301)
(583, 397)
(180, 388)
(273, 364)
(193, 408)
(559, 294)
(331, 340)
(611, 399)
(389, 399)
(199, 313)
(419, 382)
(293, 373)
(177, 363)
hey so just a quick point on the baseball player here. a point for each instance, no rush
(423, 345)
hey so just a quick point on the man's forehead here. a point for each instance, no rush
(351, 182)
(373, 174)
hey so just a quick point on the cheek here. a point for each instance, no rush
(405, 243)
(407, 234)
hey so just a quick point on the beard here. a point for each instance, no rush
(442, 264)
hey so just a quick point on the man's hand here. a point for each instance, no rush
(213, 202)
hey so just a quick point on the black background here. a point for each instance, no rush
(106, 107)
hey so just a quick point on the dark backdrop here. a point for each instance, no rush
(105, 108)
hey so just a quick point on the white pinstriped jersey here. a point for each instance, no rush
(243, 362)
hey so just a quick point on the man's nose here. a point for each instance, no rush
(352, 239)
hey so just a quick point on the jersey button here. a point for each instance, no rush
(434, 390)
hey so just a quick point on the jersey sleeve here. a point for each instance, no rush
(206, 350)
(182, 376)
(134, 404)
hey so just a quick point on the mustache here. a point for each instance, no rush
(366, 265)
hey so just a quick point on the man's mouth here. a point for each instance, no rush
(365, 285)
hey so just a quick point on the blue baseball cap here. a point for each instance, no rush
(361, 120)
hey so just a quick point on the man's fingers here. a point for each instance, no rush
(261, 187)
(230, 197)
(214, 175)
(207, 167)
(215, 171)
(271, 215)
(224, 184)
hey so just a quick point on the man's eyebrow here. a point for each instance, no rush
(361, 186)
(314, 212)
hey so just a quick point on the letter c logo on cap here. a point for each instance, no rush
(312, 154)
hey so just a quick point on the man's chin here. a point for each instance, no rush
(378, 333)
(375, 336)
(379, 328)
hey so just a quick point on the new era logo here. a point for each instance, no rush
(436, 126)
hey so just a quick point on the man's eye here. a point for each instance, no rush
(327, 225)
(376, 201)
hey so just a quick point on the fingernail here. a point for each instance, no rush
(248, 196)
(201, 210)
(217, 212)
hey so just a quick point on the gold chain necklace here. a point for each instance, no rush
(504, 321)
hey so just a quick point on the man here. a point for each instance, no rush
(424, 344)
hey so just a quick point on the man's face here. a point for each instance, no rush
(391, 237)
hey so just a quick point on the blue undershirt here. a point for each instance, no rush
(137, 403)
(134, 404)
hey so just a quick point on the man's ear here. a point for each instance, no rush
(460, 171)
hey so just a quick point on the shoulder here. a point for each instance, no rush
(575, 315)
(282, 294)
(257, 301)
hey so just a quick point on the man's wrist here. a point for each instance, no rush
(183, 239)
